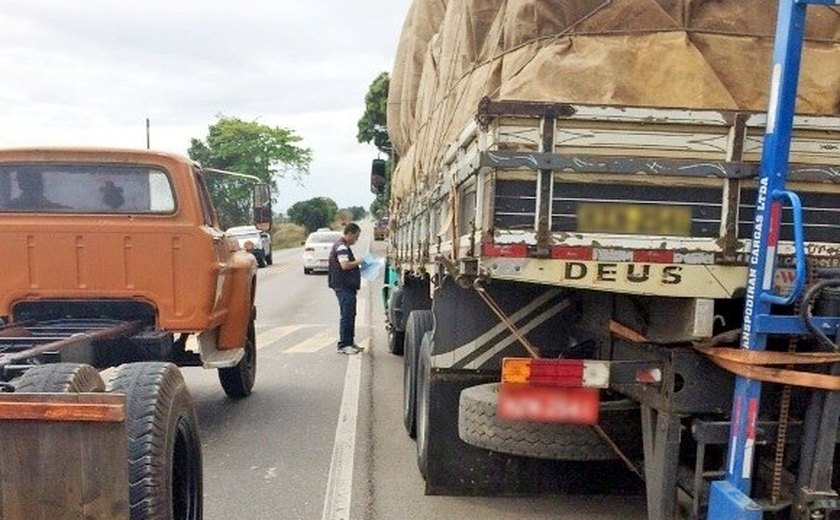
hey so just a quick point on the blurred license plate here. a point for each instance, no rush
(548, 404)
(636, 219)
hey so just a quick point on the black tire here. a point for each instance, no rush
(238, 381)
(423, 386)
(164, 449)
(395, 304)
(479, 426)
(307, 271)
(396, 339)
(419, 323)
(60, 378)
(269, 258)
(396, 342)
(260, 260)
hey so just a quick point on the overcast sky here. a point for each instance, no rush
(89, 72)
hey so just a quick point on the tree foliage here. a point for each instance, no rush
(313, 213)
(372, 129)
(357, 212)
(372, 124)
(267, 152)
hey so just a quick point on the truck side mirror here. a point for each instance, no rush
(377, 177)
(262, 207)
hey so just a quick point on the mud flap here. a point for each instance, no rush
(457, 468)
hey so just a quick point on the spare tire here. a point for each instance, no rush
(164, 449)
(60, 378)
(478, 425)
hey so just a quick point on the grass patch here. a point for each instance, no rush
(288, 235)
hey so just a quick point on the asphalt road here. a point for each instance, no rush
(321, 437)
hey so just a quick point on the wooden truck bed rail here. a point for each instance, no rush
(58, 456)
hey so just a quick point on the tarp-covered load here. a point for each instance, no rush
(657, 53)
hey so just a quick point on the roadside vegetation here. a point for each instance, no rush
(287, 235)
(307, 216)
(373, 130)
(267, 152)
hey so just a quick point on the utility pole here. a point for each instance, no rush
(148, 141)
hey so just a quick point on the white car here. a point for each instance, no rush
(316, 250)
(256, 242)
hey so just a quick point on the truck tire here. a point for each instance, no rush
(419, 323)
(396, 337)
(479, 426)
(396, 342)
(423, 387)
(164, 449)
(238, 381)
(60, 378)
(395, 307)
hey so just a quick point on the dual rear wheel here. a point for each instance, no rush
(164, 449)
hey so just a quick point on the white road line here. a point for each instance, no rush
(269, 336)
(313, 344)
(340, 483)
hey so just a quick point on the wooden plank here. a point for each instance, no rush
(62, 407)
(60, 470)
(105, 484)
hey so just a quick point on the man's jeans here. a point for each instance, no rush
(347, 325)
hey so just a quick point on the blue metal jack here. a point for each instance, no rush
(729, 498)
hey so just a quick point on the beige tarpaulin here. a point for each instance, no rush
(661, 53)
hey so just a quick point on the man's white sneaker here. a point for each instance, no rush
(349, 350)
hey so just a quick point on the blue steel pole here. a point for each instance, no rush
(774, 166)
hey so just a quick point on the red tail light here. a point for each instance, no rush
(569, 373)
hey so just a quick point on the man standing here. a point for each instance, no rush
(345, 279)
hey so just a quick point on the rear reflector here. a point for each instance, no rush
(568, 373)
(504, 250)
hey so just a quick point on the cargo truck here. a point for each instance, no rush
(571, 227)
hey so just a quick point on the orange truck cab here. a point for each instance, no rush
(93, 236)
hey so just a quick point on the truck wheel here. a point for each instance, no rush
(478, 425)
(419, 323)
(396, 342)
(269, 258)
(307, 271)
(423, 387)
(164, 449)
(238, 381)
(60, 378)
(395, 304)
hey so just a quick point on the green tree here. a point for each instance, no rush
(373, 129)
(267, 152)
(313, 213)
(358, 212)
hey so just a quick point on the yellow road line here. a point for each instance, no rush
(313, 344)
(269, 336)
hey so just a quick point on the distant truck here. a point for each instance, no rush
(571, 220)
(113, 259)
(380, 229)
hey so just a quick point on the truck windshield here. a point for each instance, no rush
(84, 188)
